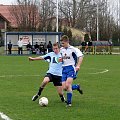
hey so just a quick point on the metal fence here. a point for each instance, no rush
(94, 50)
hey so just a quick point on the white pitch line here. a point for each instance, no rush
(4, 117)
(104, 71)
(18, 75)
(3, 76)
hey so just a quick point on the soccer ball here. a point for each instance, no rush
(43, 101)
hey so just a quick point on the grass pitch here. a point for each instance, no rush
(20, 80)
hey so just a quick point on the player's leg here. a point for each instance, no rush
(69, 91)
(67, 79)
(60, 92)
(42, 86)
(64, 85)
(57, 83)
(64, 78)
(77, 86)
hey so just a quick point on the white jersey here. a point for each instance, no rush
(70, 55)
(20, 43)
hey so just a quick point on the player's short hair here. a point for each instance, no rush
(56, 44)
(65, 38)
(20, 38)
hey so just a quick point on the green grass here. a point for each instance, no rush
(100, 101)
(2, 50)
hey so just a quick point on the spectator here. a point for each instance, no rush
(45, 48)
(84, 44)
(49, 47)
(36, 46)
(20, 46)
(89, 46)
(29, 47)
(9, 47)
(41, 48)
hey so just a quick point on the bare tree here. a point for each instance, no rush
(81, 14)
(26, 15)
(47, 13)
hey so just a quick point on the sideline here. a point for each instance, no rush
(4, 117)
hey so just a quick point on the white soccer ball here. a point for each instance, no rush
(43, 101)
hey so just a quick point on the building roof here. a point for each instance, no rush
(3, 18)
(5, 12)
(35, 33)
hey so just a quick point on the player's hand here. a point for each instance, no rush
(77, 68)
(60, 59)
(31, 59)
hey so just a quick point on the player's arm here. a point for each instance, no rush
(80, 59)
(46, 57)
(35, 58)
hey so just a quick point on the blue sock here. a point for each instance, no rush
(75, 87)
(69, 97)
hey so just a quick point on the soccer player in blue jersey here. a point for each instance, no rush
(54, 73)
(72, 60)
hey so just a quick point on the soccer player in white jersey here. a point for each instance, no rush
(72, 60)
(54, 73)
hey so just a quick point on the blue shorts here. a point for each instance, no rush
(68, 72)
